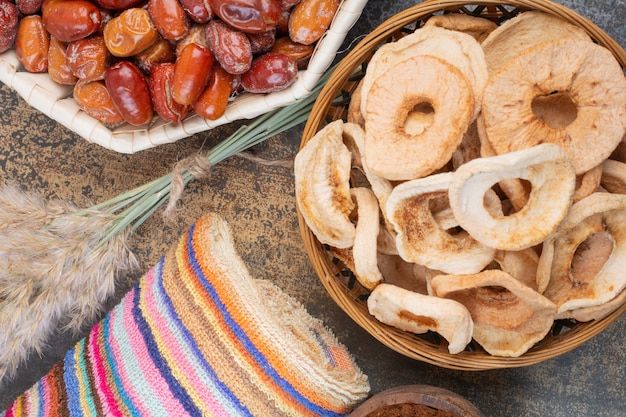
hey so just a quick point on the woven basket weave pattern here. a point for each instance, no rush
(339, 281)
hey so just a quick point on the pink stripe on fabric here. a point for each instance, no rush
(150, 373)
(163, 327)
(107, 399)
(47, 405)
(11, 411)
(126, 324)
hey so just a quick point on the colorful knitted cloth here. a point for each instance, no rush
(198, 336)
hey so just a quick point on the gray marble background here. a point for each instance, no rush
(589, 381)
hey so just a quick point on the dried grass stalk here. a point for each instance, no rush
(54, 271)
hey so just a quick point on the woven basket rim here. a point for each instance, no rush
(56, 101)
(400, 341)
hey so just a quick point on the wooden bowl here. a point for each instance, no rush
(432, 401)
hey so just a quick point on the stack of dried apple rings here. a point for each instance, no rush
(497, 157)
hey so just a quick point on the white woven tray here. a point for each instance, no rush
(55, 100)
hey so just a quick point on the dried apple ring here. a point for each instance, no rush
(322, 186)
(415, 115)
(585, 260)
(365, 240)
(421, 239)
(419, 313)
(509, 317)
(552, 179)
(456, 48)
(568, 92)
(614, 176)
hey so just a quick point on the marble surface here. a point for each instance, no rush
(258, 202)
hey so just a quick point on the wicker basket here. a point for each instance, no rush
(337, 279)
(55, 100)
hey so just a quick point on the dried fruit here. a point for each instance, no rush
(191, 73)
(170, 18)
(270, 72)
(159, 52)
(198, 10)
(130, 33)
(70, 20)
(262, 42)
(27, 7)
(213, 101)
(129, 91)
(88, 58)
(310, 19)
(250, 16)
(287, 4)
(9, 19)
(197, 35)
(231, 47)
(161, 81)
(117, 4)
(296, 51)
(94, 99)
(32, 43)
(58, 64)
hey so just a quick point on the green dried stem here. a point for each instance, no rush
(135, 206)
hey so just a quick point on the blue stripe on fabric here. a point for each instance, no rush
(42, 397)
(106, 324)
(244, 339)
(167, 309)
(177, 390)
(72, 384)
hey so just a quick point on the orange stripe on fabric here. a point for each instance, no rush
(218, 282)
(215, 345)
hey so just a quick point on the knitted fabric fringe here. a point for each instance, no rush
(198, 336)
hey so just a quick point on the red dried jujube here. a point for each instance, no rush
(130, 92)
(161, 81)
(270, 72)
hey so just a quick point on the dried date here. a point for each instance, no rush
(27, 7)
(9, 20)
(161, 83)
(262, 42)
(94, 99)
(231, 47)
(213, 101)
(32, 43)
(58, 64)
(130, 33)
(270, 72)
(249, 16)
(170, 19)
(191, 73)
(198, 10)
(118, 4)
(296, 51)
(70, 20)
(161, 51)
(310, 18)
(88, 58)
(287, 4)
(129, 92)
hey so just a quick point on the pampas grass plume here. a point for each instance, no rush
(55, 271)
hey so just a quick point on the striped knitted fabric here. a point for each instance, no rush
(198, 336)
